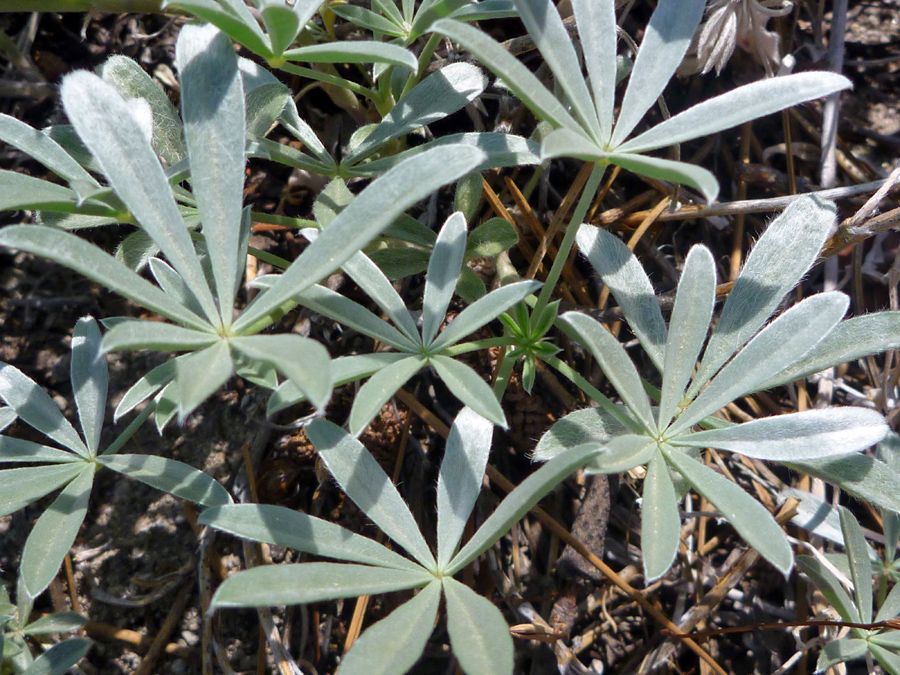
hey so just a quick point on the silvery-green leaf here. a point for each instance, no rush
(470, 388)
(43, 148)
(280, 526)
(103, 120)
(169, 475)
(478, 632)
(397, 262)
(460, 478)
(408, 229)
(335, 306)
(59, 658)
(7, 417)
(829, 586)
(90, 380)
(354, 52)
(54, 533)
(157, 336)
(518, 502)
(468, 194)
(501, 150)
(146, 387)
(482, 311)
(282, 26)
(212, 107)
(306, 10)
(552, 40)
(231, 17)
(295, 584)
(660, 520)
(890, 639)
(811, 434)
(376, 285)
(199, 374)
(263, 148)
(688, 327)
(443, 273)
(859, 475)
(370, 488)
(750, 518)
(860, 566)
(18, 191)
(616, 365)
(817, 516)
(566, 142)
(166, 404)
(596, 21)
(389, 9)
(366, 18)
(680, 173)
(394, 644)
(622, 454)
(373, 210)
(851, 339)
(17, 450)
(491, 238)
(630, 286)
(303, 361)
(344, 369)
(61, 622)
(263, 106)
(88, 260)
(20, 487)
(783, 342)
(840, 651)
(591, 425)
(34, 406)
(132, 82)
(889, 660)
(379, 389)
(749, 102)
(516, 77)
(434, 98)
(666, 39)
(780, 258)
(486, 9)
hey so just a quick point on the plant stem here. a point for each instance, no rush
(130, 430)
(581, 209)
(424, 59)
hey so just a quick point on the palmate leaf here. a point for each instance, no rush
(470, 388)
(354, 52)
(199, 374)
(379, 389)
(443, 273)
(596, 20)
(786, 340)
(232, 18)
(630, 286)
(860, 565)
(478, 632)
(280, 526)
(666, 40)
(460, 478)
(750, 518)
(840, 651)
(552, 40)
(169, 475)
(61, 622)
(104, 121)
(153, 335)
(366, 483)
(615, 364)
(212, 107)
(294, 584)
(688, 328)
(860, 475)
(34, 406)
(88, 260)
(44, 149)
(20, 487)
(17, 450)
(90, 380)
(829, 586)
(434, 98)
(783, 254)
(59, 658)
(373, 210)
(812, 434)
(518, 502)
(394, 644)
(660, 520)
(54, 533)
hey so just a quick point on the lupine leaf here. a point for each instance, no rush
(153, 335)
(20, 487)
(379, 389)
(169, 475)
(280, 526)
(443, 273)
(366, 483)
(90, 380)
(478, 632)
(470, 388)
(660, 520)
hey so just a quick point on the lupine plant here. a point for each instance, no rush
(177, 177)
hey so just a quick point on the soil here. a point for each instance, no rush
(136, 560)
